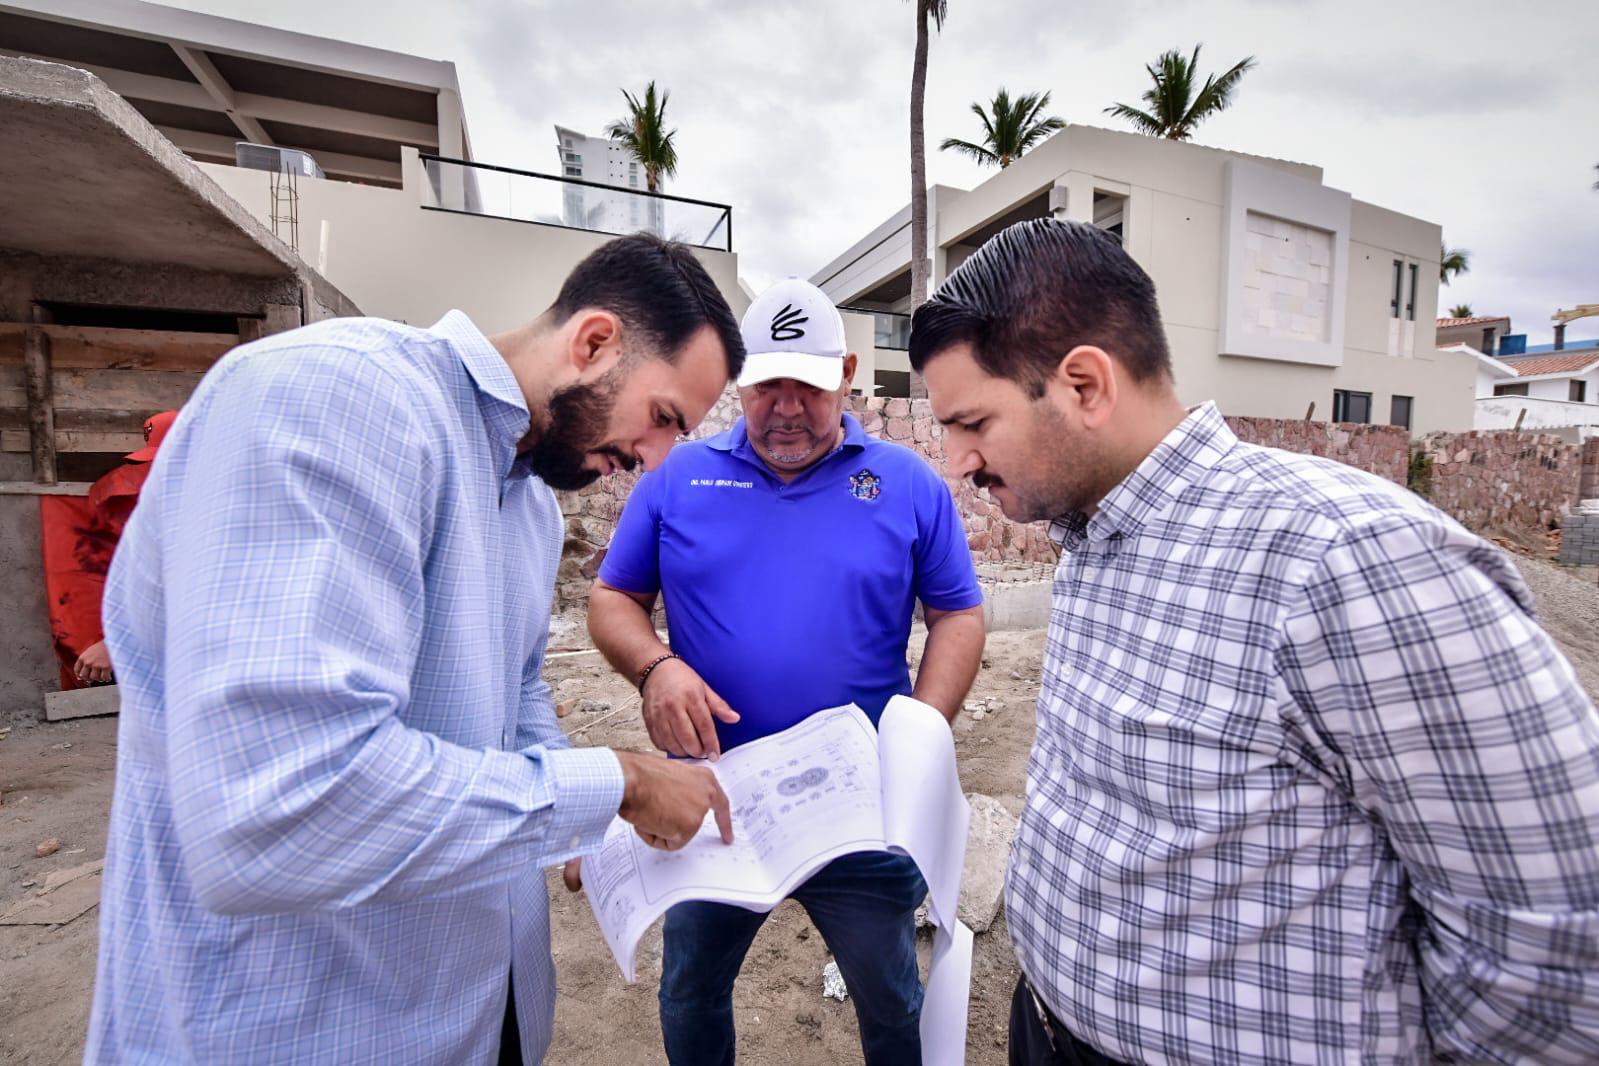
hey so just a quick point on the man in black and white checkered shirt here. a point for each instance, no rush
(1310, 784)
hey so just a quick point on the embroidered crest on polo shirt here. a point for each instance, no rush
(865, 485)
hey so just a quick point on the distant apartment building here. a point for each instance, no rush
(601, 161)
(1281, 296)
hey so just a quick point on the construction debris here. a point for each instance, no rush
(66, 895)
(47, 847)
(988, 840)
(833, 983)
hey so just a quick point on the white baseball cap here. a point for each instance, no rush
(792, 330)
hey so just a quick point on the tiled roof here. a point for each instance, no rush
(1575, 363)
(1474, 320)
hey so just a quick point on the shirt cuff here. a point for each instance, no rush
(586, 784)
(956, 601)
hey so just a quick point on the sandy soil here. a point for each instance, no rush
(55, 782)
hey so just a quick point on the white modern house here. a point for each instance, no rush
(1280, 295)
(1544, 391)
(1481, 333)
(404, 219)
(1544, 387)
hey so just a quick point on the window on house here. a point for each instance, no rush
(1399, 281)
(1351, 406)
(574, 172)
(1511, 390)
(1488, 341)
(1110, 213)
(1410, 307)
(1579, 392)
(1399, 411)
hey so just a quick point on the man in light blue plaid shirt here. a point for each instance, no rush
(339, 774)
(1310, 784)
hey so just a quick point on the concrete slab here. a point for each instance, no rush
(988, 841)
(82, 703)
(1016, 605)
(98, 179)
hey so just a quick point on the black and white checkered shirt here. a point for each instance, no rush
(1310, 785)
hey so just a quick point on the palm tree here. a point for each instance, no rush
(1460, 311)
(1452, 262)
(935, 10)
(1009, 129)
(1174, 108)
(644, 135)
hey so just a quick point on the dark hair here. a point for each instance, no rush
(1034, 292)
(660, 292)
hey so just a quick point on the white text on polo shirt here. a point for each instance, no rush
(721, 483)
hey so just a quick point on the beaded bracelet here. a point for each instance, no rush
(644, 675)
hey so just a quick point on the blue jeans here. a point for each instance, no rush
(864, 905)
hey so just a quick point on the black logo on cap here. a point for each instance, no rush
(786, 324)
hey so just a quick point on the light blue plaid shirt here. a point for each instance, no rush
(339, 774)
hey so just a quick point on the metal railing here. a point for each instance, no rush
(890, 329)
(572, 203)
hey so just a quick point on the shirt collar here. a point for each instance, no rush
(499, 397)
(1178, 461)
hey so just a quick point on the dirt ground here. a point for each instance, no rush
(55, 782)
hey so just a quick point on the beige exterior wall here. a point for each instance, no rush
(858, 334)
(396, 260)
(1176, 228)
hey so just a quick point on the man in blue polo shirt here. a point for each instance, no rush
(791, 551)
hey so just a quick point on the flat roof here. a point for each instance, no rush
(207, 82)
(134, 199)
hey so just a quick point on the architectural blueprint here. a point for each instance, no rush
(826, 787)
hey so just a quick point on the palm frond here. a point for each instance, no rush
(643, 134)
(967, 148)
(1142, 121)
(1174, 108)
(1010, 127)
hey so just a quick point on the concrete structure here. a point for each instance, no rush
(604, 162)
(207, 83)
(1278, 292)
(127, 274)
(408, 255)
(391, 223)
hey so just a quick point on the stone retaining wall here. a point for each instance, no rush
(1494, 480)
(1382, 450)
(1486, 480)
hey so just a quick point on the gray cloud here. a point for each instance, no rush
(1407, 89)
(797, 116)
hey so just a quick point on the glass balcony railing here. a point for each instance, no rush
(527, 196)
(889, 329)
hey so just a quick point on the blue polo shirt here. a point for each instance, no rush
(789, 599)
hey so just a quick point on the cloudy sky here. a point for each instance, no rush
(1482, 117)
